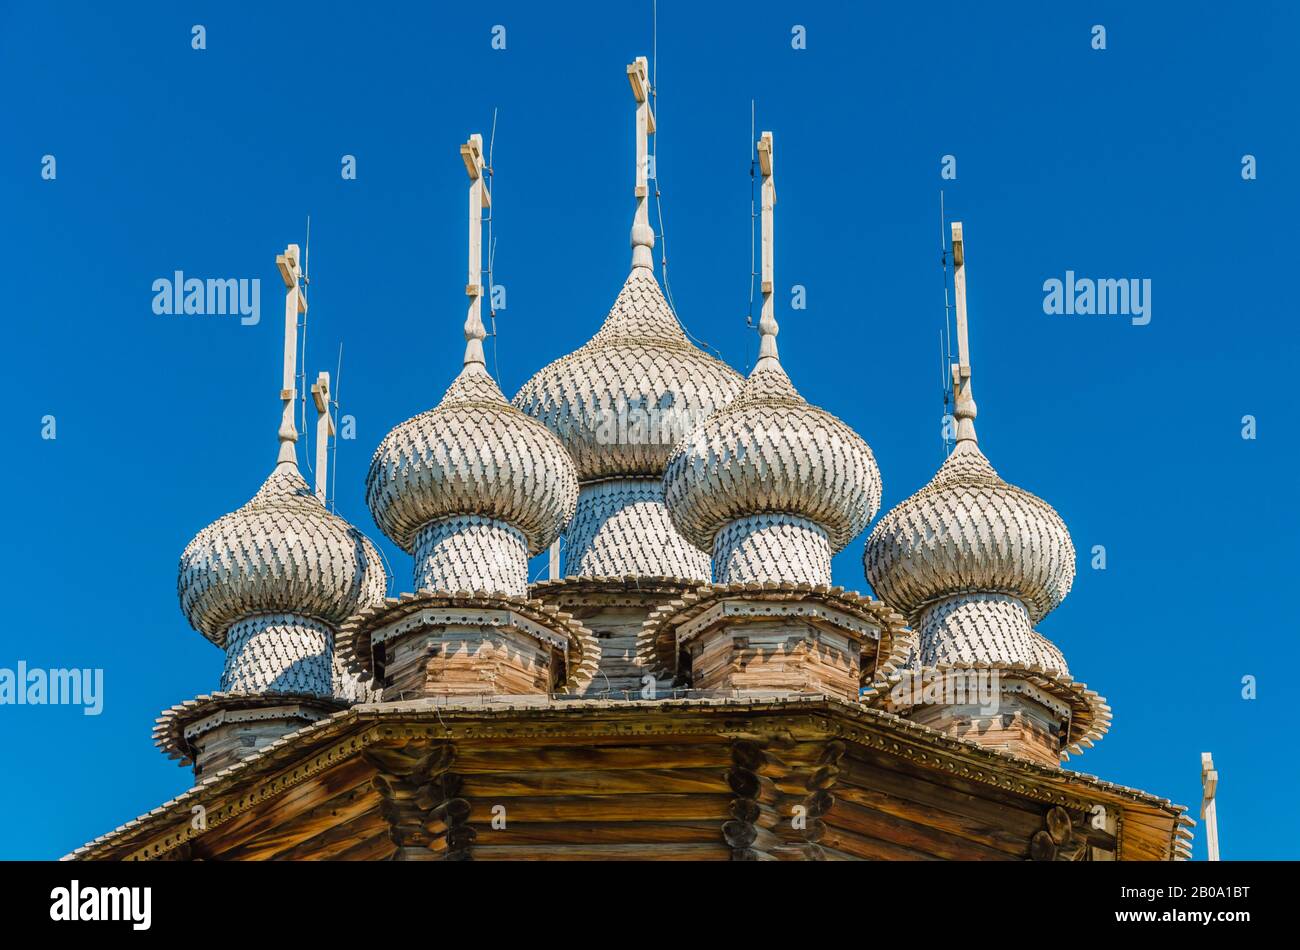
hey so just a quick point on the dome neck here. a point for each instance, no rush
(643, 236)
(471, 553)
(283, 652)
(775, 548)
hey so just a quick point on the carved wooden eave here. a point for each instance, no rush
(1085, 715)
(176, 728)
(707, 779)
(660, 636)
(540, 621)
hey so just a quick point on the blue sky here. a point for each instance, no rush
(1119, 163)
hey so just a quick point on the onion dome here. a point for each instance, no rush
(472, 455)
(472, 487)
(972, 560)
(282, 553)
(622, 401)
(770, 452)
(968, 531)
(770, 485)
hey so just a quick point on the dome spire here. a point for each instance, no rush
(479, 198)
(963, 400)
(769, 485)
(767, 325)
(643, 236)
(295, 302)
(320, 395)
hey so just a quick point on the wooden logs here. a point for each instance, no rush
(1067, 837)
(785, 654)
(420, 801)
(747, 833)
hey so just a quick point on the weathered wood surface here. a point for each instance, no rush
(789, 654)
(1020, 726)
(466, 661)
(664, 781)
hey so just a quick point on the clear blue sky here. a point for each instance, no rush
(1117, 163)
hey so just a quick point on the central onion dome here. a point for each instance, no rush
(622, 401)
(766, 470)
(472, 488)
(619, 404)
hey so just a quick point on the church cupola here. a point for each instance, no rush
(473, 487)
(975, 563)
(771, 487)
(270, 583)
(622, 401)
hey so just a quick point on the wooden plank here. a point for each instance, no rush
(523, 755)
(609, 808)
(610, 852)
(507, 785)
(518, 833)
(271, 814)
(332, 811)
(846, 816)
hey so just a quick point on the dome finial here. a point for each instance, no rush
(963, 400)
(767, 325)
(295, 303)
(643, 236)
(479, 198)
(320, 395)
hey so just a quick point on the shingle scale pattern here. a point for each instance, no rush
(771, 452)
(779, 548)
(279, 653)
(282, 552)
(622, 528)
(622, 401)
(473, 454)
(984, 628)
(968, 531)
(473, 553)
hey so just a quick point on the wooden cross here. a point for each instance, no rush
(643, 238)
(767, 325)
(479, 198)
(320, 394)
(295, 303)
(1209, 786)
(963, 400)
